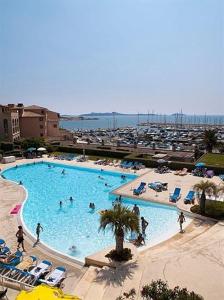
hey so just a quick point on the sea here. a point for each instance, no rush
(121, 121)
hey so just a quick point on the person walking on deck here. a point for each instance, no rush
(181, 220)
(38, 229)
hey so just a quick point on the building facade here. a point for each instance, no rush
(36, 121)
(9, 123)
(17, 121)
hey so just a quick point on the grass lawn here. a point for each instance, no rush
(213, 209)
(212, 159)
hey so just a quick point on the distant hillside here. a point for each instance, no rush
(102, 114)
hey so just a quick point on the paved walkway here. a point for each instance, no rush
(194, 260)
(11, 194)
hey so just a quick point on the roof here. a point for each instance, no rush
(35, 107)
(30, 114)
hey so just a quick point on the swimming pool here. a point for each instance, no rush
(74, 223)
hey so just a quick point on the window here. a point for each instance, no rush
(55, 125)
(41, 135)
(5, 125)
(41, 126)
(41, 119)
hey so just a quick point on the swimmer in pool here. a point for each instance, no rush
(60, 204)
(72, 248)
(63, 172)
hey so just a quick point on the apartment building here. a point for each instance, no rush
(9, 123)
(37, 121)
(18, 121)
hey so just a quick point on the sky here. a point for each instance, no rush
(134, 56)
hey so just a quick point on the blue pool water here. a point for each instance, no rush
(74, 223)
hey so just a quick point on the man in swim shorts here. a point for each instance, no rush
(20, 239)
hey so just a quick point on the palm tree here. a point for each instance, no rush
(210, 139)
(205, 187)
(120, 220)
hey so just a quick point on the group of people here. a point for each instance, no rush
(70, 199)
(20, 236)
(144, 224)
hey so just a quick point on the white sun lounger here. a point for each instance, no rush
(40, 269)
(55, 277)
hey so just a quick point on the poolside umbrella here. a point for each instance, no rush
(31, 149)
(200, 165)
(41, 149)
(161, 161)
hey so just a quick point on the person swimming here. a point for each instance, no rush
(92, 205)
(63, 172)
(100, 177)
(72, 248)
(60, 204)
(71, 199)
(107, 185)
(20, 183)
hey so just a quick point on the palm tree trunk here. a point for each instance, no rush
(119, 243)
(202, 203)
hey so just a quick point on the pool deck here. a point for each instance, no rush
(194, 259)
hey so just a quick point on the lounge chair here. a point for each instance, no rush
(2, 243)
(140, 189)
(42, 268)
(190, 197)
(176, 195)
(123, 164)
(12, 259)
(55, 277)
(23, 268)
(4, 251)
(183, 172)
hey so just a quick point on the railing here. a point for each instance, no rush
(14, 284)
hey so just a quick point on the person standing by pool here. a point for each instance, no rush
(38, 229)
(136, 210)
(20, 238)
(181, 220)
(144, 224)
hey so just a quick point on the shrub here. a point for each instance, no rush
(159, 290)
(213, 209)
(124, 256)
(32, 142)
(6, 146)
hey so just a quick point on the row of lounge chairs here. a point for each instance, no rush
(124, 164)
(175, 196)
(162, 170)
(182, 172)
(107, 162)
(159, 186)
(68, 156)
(132, 165)
(28, 270)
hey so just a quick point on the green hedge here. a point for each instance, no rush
(97, 152)
(151, 163)
(213, 209)
(6, 146)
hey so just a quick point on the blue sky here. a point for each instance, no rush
(78, 56)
